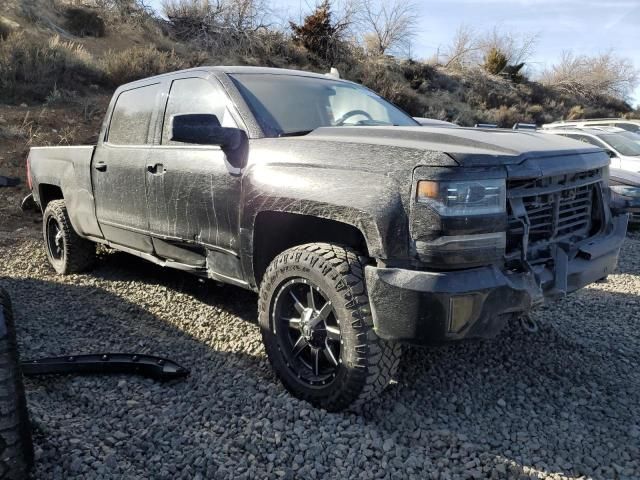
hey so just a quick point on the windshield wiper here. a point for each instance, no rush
(299, 133)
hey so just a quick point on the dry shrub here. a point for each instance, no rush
(495, 61)
(593, 77)
(321, 33)
(576, 112)
(5, 30)
(84, 22)
(386, 77)
(30, 69)
(138, 62)
(506, 117)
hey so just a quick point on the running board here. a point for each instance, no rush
(202, 271)
(157, 368)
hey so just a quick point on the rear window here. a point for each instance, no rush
(132, 115)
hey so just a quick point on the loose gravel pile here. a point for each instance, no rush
(562, 403)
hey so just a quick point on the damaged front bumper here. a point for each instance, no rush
(431, 307)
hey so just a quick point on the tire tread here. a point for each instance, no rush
(377, 360)
(80, 254)
(16, 447)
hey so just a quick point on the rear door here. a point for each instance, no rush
(118, 170)
(193, 192)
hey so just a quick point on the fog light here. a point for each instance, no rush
(461, 311)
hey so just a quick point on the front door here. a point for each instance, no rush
(118, 169)
(193, 192)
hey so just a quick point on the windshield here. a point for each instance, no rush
(295, 105)
(626, 143)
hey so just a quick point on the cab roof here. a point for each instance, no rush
(230, 70)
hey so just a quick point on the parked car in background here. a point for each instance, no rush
(622, 146)
(626, 186)
(626, 124)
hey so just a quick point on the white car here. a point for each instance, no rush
(622, 146)
(626, 124)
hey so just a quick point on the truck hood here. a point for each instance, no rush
(467, 146)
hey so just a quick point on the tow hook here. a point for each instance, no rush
(528, 324)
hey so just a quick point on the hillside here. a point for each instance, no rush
(59, 64)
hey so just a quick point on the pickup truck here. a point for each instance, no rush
(361, 229)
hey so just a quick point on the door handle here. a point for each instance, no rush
(157, 169)
(101, 167)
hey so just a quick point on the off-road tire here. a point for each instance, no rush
(16, 449)
(78, 254)
(368, 363)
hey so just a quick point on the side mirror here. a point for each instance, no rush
(611, 153)
(205, 129)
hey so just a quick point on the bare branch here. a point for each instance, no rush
(592, 77)
(464, 49)
(388, 25)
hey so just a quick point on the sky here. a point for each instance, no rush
(582, 26)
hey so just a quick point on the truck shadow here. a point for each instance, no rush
(235, 301)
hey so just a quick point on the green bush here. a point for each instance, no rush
(495, 61)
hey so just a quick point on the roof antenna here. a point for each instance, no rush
(333, 73)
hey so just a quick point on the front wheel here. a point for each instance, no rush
(317, 328)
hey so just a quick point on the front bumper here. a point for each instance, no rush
(431, 307)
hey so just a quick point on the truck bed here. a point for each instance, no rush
(66, 169)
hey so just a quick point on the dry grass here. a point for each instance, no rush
(138, 62)
(30, 70)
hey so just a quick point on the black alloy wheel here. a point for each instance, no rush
(308, 331)
(67, 251)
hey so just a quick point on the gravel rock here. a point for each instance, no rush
(560, 404)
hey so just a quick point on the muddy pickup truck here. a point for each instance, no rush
(360, 229)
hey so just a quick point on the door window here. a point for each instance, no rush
(132, 115)
(195, 95)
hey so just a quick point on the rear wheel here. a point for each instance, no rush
(66, 250)
(317, 328)
(16, 448)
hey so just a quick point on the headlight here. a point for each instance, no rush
(461, 198)
(626, 190)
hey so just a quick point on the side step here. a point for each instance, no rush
(157, 368)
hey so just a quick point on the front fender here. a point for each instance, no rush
(370, 202)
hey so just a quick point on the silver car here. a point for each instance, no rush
(622, 146)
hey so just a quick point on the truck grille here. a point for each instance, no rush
(558, 209)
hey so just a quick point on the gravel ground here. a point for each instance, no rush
(562, 403)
